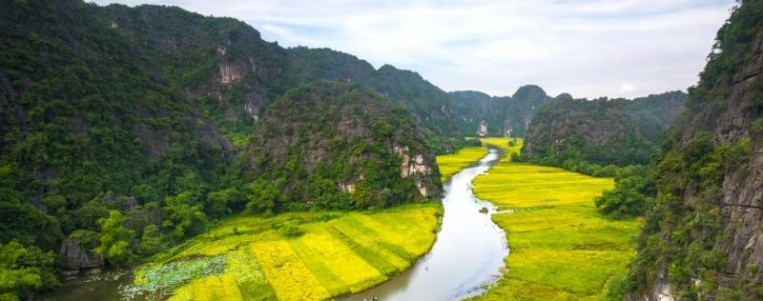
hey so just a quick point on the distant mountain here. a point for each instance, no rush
(429, 104)
(472, 107)
(602, 131)
(504, 116)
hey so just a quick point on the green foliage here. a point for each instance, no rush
(291, 231)
(629, 198)
(343, 152)
(159, 281)
(601, 132)
(219, 203)
(263, 197)
(184, 217)
(24, 270)
(151, 240)
(115, 239)
(118, 109)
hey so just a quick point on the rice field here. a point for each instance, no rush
(453, 163)
(561, 247)
(247, 258)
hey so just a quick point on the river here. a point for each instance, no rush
(468, 253)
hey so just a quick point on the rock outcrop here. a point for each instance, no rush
(349, 136)
(704, 237)
(78, 255)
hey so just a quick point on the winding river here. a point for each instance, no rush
(468, 253)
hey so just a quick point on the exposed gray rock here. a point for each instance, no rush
(79, 259)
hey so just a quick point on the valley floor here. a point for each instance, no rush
(561, 247)
(293, 256)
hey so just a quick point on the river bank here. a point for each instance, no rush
(469, 252)
(562, 248)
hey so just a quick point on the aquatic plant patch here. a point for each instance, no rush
(158, 281)
(252, 258)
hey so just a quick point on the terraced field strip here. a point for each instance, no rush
(562, 248)
(251, 280)
(215, 288)
(339, 253)
(351, 270)
(384, 260)
(287, 273)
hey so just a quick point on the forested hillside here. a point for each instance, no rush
(126, 130)
(601, 131)
(702, 238)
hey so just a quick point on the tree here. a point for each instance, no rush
(115, 238)
(24, 270)
(151, 240)
(629, 198)
(263, 197)
(219, 202)
(184, 218)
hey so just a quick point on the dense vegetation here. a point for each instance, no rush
(619, 132)
(701, 237)
(126, 130)
(340, 146)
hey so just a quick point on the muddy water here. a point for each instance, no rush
(468, 253)
(104, 287)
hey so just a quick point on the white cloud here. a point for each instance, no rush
(589, 48)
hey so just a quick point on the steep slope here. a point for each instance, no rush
(472, 108)
(343, 146)
(504, 116)
(602, 131)
(427, 102)
(702, 239)
(521, 109)
(126, 119)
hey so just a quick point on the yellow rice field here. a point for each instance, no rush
(561, 247)
(339, 253)
(453, 163)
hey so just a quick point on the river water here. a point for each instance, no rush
(468, 253)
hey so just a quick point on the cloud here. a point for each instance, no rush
(589, 48)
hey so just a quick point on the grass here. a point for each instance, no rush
(251, 258)
(562, 248)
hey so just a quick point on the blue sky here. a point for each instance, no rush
(588, 48)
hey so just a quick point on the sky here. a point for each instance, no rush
(588, 48)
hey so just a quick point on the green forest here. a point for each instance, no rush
(130, 137)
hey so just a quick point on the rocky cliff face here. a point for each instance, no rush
(703, 240)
